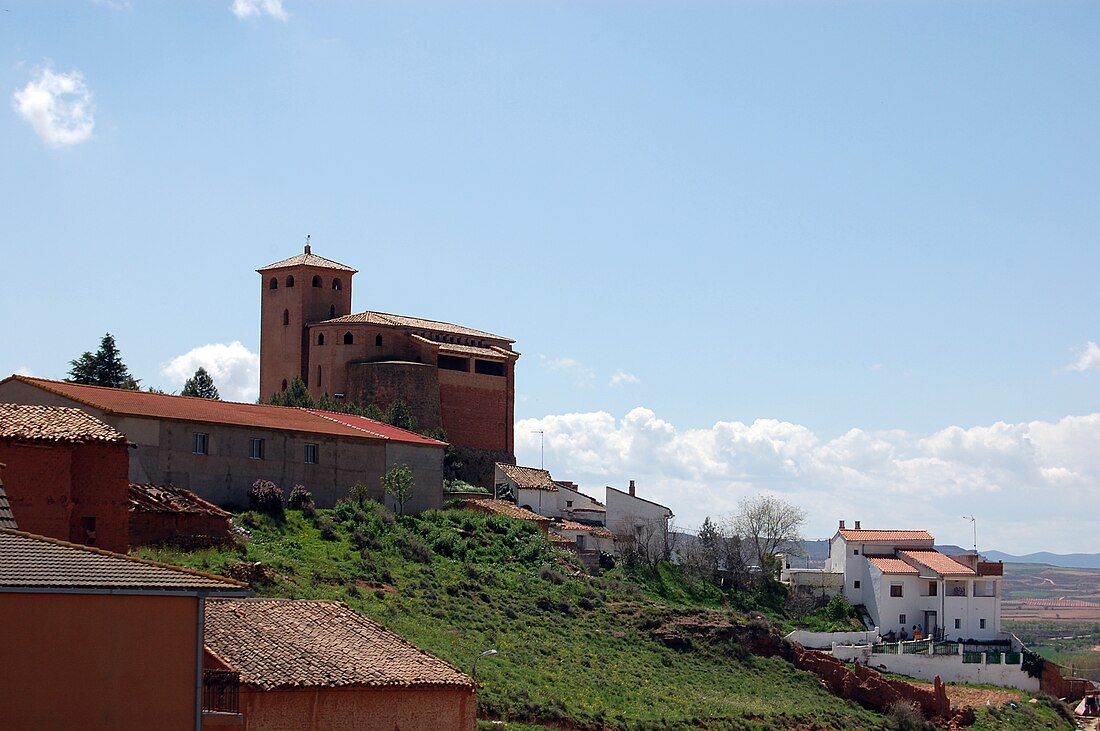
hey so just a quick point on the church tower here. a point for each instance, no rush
(295, 293)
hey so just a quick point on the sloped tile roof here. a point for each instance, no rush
(278, 643)
(493, 353)
(386, 319)
(891, 565)
(146, 498)
(29, 561)
(309, 259)
(506, 508)
(7, 520)
(53, 424)
(185, 408)
(596, 530)
(898, 536)
(938, 562)
(528, 478)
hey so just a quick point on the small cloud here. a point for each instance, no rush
(255, 8)
(114, 4)
(23, 371)
(58, 107)
(622, 378)
(583, 375)
(234, 368)
(1087, 359)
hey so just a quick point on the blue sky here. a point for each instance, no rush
(841, 252)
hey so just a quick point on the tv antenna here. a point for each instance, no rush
(542, 448)
(974, 523)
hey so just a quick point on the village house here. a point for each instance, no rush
(453, 377)
(319, 666)
(904, 582)
(218, 449)
(535, 490)
(168, 515)
(66, 474)
(98, 640)
(643, 523)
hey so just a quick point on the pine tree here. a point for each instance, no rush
(102, 368)
(201, 385)
(296, 394)
(400, 415)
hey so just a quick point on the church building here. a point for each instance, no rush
(453, 377)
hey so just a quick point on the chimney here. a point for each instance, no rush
(857, 525)
(842, 525)
(632, 488)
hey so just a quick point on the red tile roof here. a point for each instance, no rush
(53, 424)
(386, 319)
(597, 530)
(886, 536)
(170, 499)
(891, 565)
(279, 643)
(185, 408)
(29, 561)
(938, 562)
(307, 259)
(506, 508)
(493, 353)
(528, 478)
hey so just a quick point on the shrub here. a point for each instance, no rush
(328, 530)
(414, 549)
(359, 493)
(299, 498)
(905, 716)
(266, 497)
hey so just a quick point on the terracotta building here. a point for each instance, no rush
(66, 474)
(168, 515)
(217, 449)
(453, 377)
(98, 640)
(319, 666)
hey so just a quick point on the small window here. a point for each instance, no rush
(378, 340)
(290, 281)
(855, 551)
(568, 503)
(337, 284)
(958, 624)
(286, 317)
(200, 443)
(901, 619)
(855, 584)
(348, 340)
(318, 376)
(88, 524)
(932, 588)
(284, 384)
(255, 448)
(331, 311)
(274, 283)
(895, 589)
(316, 280)
(321, 339)
(311, 454)
(981, 623)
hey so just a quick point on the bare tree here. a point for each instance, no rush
(770, 526)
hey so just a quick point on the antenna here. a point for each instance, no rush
(542, 448)
(973, 522)
(307, 243)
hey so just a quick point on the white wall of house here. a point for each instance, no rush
(543, 502)
(950, 668)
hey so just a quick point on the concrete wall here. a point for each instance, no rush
(426, 463)
(826, 640)
(950, 668)
(111, 662)
(361, 709)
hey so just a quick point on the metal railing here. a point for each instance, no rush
(221, 691)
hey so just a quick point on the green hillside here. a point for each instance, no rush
(574, 651)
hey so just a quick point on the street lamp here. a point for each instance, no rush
(487, 653)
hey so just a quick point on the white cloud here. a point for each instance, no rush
(114, 4)
(622, 378)
(255, 8)
(1087, 359)
(1031, 485)
(23, 371)
(57, 106)
(581, 374)
(234, 368)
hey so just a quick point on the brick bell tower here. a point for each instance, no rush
(295, 293)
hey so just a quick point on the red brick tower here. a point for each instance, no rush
(295, 292)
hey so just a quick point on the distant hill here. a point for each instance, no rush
(1066, 560)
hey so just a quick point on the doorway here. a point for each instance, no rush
(930, 626)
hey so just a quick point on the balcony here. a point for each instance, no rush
(221, 691)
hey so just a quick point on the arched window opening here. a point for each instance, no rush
(290, 281)
(331, 311)
(321, 339)
(274, 283)
(348, 339)
(284, 384)
(316, 280)
(378, 340)
(337, 284)
(286, 317)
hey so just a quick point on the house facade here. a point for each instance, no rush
(638, 521)
(535, 490)
(66, 474)
(217, 449)
(904, 582)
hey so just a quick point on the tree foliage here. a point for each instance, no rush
(296, 394)
(398, 484)
(201, 385)
(102, 368)
(770, 526)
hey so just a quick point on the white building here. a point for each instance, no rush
(535, 490)
(637, 519)
(903, 582)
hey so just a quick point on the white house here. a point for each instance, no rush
(634, 518)
(535, 490)
(903, 582)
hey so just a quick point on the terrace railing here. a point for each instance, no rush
(221, 690)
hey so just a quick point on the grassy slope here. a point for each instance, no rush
(574, 651)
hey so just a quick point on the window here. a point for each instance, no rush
(284, 384)
(316, 280)
(378, 340)
(489, 367)
(331, 311)
(580, 543)
(311, 454)
(855, 584)
(958, 624)
(568, 503)
(932, 588)
(274, 283)
(321, 339)
(337, 284)
(255, 448)
(290, 281)
(286, 317)
(855, 551)
(348, 340)
(318, 376)
(901, 619)
(895, 589)
(200, 443)
(88, 524)
(981, 623)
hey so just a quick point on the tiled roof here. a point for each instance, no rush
(308, 259)
(7, 520)
(528, 478)
(891, 565)
(377, 428)
(170, 499)
(185, 408)
(493, 353)
(28, 561)
(596, 530)
(387, 320)
(938, 562)
(898, 536)
(278, 643)
(507, 508)
(53, 424)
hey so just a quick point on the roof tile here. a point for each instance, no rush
(528, 478)
(938, 562)
(506, 508)
(309, 259)
(53, 424)
(146, 498)
(388, 320)
(891, 565)
(899, 536)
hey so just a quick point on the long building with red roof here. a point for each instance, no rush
(218, 449)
